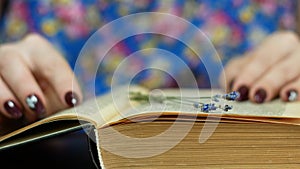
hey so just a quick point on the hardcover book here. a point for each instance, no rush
(174, 128)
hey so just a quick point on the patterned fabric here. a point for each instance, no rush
(233, 26)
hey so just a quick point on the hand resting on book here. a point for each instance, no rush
(35, 80)
(271, 69)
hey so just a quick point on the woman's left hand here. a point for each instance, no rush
(269, 70)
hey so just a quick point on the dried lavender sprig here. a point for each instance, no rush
(137, 96)
(228, 96)
(212, 106)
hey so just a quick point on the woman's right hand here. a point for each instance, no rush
(35, 80)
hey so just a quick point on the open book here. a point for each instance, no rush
(134, 134)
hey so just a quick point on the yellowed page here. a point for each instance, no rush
(275, 108)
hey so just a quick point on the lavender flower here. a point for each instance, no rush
(231, 96)
(208, 107)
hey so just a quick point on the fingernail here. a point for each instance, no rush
(13, 109)
(35, 104)
(292, 95)
(71, 99)
(231, 85)
(260, 96)
(244, 91)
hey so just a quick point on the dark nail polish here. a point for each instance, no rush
(35, 104)
(244, 91)
(71, 99)
(292, 95)
(260, 96)
(13, 109)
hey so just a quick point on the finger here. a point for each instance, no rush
(53, 69)
(231, 70)
(11, 107)
(268, 86)
(263, 58)
(290, 91)
(61, 78)
(24, 86)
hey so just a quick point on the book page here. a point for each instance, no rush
(101, 110)
(275, 108)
